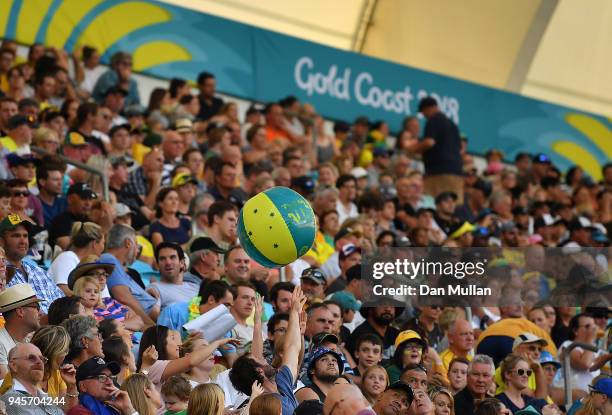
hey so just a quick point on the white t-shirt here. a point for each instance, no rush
(6, 344)
(580, 379)
(344, 214)
(232, 396)
(63, 265)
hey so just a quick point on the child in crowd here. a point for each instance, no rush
(88, 289)
(175, 393)
(368, 352)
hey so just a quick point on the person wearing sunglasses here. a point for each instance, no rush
(515, 373)
(27, 368)
(98, 394)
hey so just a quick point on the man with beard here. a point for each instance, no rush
(121, 251)
(324, 368)
(247, 370)
(395, 400)
(171, 288)
(27, 367)
(378, 321)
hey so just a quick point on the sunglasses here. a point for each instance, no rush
(23, 193)
(524, 372)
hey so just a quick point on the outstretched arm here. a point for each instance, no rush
(293, 340)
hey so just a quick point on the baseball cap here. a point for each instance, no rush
(204, 242)
(152, 139)
(16, 121)
(403, 387)
(380, 152)
(304, 183)
(446, 195)
(15, 159)
(183, 125)
(526, 338)
(346, 232)
(319, 353)
(602, 386)
(74, 138)
(359, 172)
(460, 229)
(121, 160)
(547, 358)
(182, 179)
(12, 221)
(94, 367)
(314, 274)
(121, 209)
(348, 250)
(579, 222)
(409, 335)
(324, 337)
(346, 300)
(541, 158)
(115, 90)
(82, 190)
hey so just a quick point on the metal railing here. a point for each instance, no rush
(80, 165)
(565, 357)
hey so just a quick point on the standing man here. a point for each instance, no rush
(209, 103)
(15, 239)
(441, 148)
(244, 304)
(49, 177)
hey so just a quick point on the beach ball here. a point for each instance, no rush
(276, 227)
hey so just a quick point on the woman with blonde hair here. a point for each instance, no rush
(59, 379)
(86, 238)
(145, 398)
(374, 381)
(206, 399)
(443, 401)
(46, 139)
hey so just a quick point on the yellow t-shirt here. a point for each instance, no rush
(447, 356)
(8, 143)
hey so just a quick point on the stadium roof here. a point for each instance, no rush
(554, 50)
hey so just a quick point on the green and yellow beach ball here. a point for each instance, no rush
(276, 227)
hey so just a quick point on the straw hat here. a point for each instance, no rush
(85, 268)
(17, 296)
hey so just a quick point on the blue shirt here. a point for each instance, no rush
(43, 285)
(49, 212)
(284, 383)
(120, 277)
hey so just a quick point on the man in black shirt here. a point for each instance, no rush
(441, 148)
(209, 104)
(479, 380)
(80, 201)
(445, 211)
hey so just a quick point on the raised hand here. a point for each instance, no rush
(298, 299)
(121, 401)
(149, 356)
(258, 308)
(256, 390)
(68, 374)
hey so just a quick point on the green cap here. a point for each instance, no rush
(12, 221)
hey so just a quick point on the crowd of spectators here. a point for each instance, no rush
(97, 282)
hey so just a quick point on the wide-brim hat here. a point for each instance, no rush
(83, 269)
(18, 295)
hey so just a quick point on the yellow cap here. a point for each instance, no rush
(466, 227)
(406, 335)
(74, 138)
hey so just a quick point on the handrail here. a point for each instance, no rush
(566, 367)
(80, 166)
